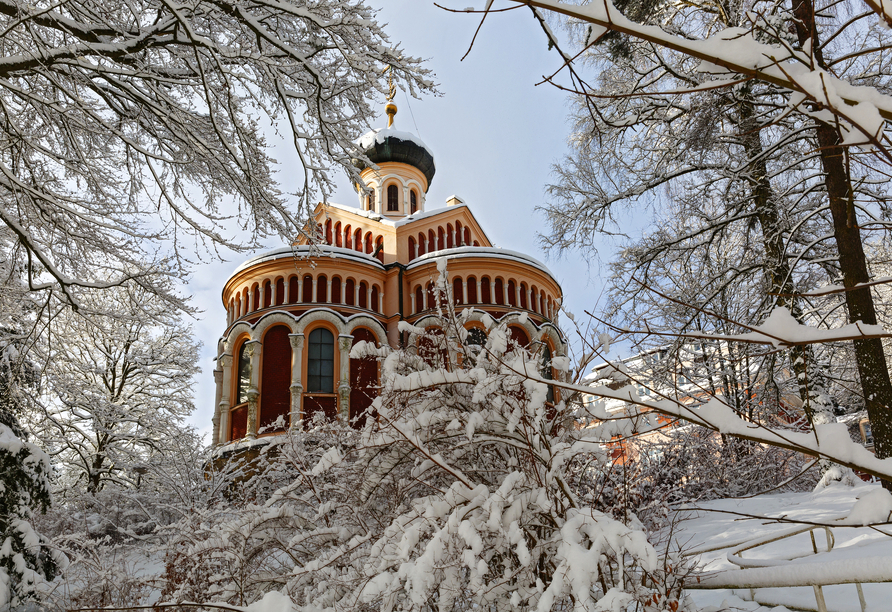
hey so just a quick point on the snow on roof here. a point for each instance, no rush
(478, 252)
(305, 251)
(382, 134)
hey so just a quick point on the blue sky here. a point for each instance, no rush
(494, 134)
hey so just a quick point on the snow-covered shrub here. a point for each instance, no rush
(456, 496)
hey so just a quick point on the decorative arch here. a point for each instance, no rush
(432, 241)
(350, 292)
(368, 243)
(523, 296)
(457, 291)
(336, 296)
(512, 292)
(328, 231)
(419, 299)
(449, 234)
(348, 236)
(459, 236)
(467, 237)
(422, 244)
(337, 234)
(485, 291)
(413, 248)
(471, 284)
(357, 240)
(267, 294)
(441, 239)
(376, 297)
(307, 288)
(322, 289)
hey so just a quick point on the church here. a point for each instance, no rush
(293, 314)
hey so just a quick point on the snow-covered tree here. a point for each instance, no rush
(25, 558)
(126, 125)
(824, 66)
(119, 387)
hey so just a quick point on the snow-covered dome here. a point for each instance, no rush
(391, 145)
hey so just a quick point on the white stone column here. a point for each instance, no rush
(529, 299)
(250, 300)
(328, 295)
(381, 302)
(253, 349)
(343, 292)
(262, 295)
(368, 299)
(379, 200)
(300, 290)
(464, 291)
(479, 293)
(218, 396)
(505, 293)
(315, 301)
(345, 343)
(225, 364)
(287, 283)
(297, 389)
(517, 294)
(412, 302)
(356, 295)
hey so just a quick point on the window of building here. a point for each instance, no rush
(320, 362)
(546, 372)
(372, 200)
(393, 198)
(413, 198)
(476, 337)
(243, 379)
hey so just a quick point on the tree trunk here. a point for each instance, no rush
(869, 355)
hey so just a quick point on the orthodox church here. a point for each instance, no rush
(294, 313)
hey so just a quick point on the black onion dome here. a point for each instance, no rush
(389, 145)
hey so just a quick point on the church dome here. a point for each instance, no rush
(391, 145)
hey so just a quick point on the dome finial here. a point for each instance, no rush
(390, 108)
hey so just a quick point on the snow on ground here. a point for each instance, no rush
(730, 523)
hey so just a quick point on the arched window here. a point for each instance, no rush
(337, 234)
(413, 249)
(449, 232)
(243, 375)
(476, 337)
(350, 290)
(267, 294)
(363, 295)
(328, 232)
(368, 243)
(293, 291)
(432, 241)
(512, 293)
(275, 380)
(336, 290)
(320, 361)
(432, 348)
(363, 380)
(458, 234)
(280, 291)
(372, 199)
(413, 198)
(485, 293)
(421, 244)
(519, 336)
(431, 296)
(393, 198)
(322, 289)
(307, 297)
(546, 371)
(375, 298)
(523, 295)
(467, 237)
(379, 248)
(535, 305)
(457, 291)
(419, 299)
(238, 306)
(500, 292)
(348, 237)
(441, 239)
(256, 297)
(472, 290)
(357, 240)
